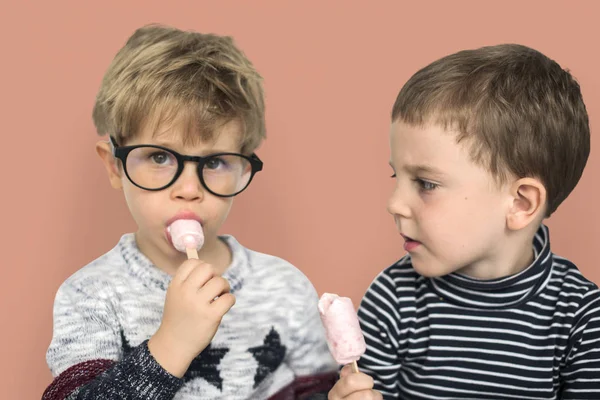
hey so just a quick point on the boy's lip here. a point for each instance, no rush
(184, 214)
(410, 244)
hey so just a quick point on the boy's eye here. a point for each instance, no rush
(159, 157)
(214, 163)
(426, 185)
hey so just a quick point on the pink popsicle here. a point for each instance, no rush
(187, 236)
(344, 336)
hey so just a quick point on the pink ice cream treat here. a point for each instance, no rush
(344, 337)
(186, 234)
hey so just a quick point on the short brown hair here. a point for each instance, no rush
(162, 74)
(520, 112)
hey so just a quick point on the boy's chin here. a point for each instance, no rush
(429, 269)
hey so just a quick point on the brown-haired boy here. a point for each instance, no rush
(485, 144)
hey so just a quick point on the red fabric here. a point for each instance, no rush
(80, 374)
(76, 376)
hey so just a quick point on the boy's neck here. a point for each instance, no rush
(514, 255)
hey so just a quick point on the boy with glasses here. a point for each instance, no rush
(185, 113)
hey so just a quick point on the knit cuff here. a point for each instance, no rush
(147, 376)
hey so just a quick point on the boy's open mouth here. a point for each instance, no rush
(410, 244)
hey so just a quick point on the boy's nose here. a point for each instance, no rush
(397, 204)
(188, 185)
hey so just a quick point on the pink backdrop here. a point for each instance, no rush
(332, 71)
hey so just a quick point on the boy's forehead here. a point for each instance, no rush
(182, 134)
(426, 143)
(403, 134)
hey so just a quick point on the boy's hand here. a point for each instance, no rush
(353, 386)
(190, 317)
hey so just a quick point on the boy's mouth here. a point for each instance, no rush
(180, 215)
(409, 243)
(184, 214)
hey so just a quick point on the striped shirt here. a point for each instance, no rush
(533, 335)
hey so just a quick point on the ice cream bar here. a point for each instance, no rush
(344, 337)
(187, 236)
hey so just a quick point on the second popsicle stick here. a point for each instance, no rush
(355, 367)
(191, 253)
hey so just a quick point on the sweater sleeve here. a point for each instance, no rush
(86, 355)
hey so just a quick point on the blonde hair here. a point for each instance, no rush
(163, 75)
(520, 112)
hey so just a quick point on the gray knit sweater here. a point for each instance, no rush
(271, 344)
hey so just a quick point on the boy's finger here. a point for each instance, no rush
(353, 382)
(184, 270)
(365, 395)
(215, 287)
(223, 303)
(201, 274)
(346, 370)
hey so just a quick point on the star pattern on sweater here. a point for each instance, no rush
(205, 365)
(269, 356)
(125, 344)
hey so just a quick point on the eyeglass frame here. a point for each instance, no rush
(121, 153)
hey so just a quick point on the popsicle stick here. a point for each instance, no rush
(191, 253)
(355, 367)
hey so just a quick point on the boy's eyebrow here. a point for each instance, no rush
(172, 145)
(164, 142)
(419, 169)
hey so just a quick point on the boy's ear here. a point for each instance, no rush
(528, 197)
(110, 163)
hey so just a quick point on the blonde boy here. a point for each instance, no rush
(184, 113)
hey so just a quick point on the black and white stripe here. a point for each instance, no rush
(533, 335)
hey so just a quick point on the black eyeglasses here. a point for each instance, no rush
(155, 168)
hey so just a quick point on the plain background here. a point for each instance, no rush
(332, 70)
